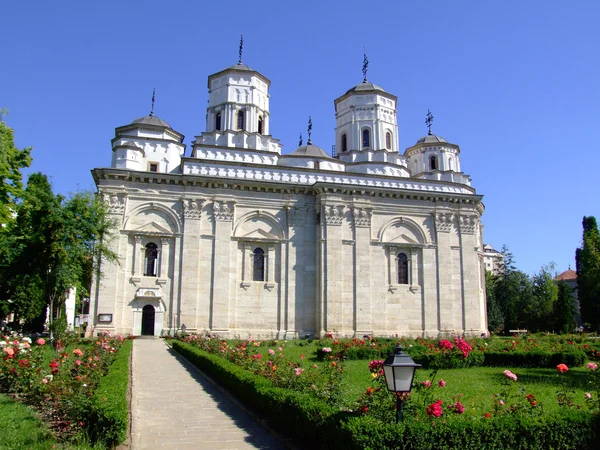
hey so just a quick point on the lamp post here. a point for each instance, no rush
(399, 369)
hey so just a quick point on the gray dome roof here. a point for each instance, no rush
(152, 120)
(310, 151)
(365, 86)
(240, 66)
(431, 139)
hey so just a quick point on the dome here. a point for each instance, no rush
(240, 66)
(567, 275)
(432, 139)
(364, 87)
(152, 120)
(311, 151)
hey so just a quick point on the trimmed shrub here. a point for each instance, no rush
(109, 417)
(534, 358)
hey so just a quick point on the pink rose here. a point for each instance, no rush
(588, 395)
(592, 366)
(326, 350)
(77, 362)
(271, 352)
(40, 341)
(44, 380)
(426, 383)
(299, 371)
(441, 383)
(77, 352)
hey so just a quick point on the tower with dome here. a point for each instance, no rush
(241, 240)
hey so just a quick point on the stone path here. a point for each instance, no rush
(173, 406)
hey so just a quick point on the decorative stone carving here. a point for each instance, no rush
(297, 216)
(362, 216)
(444, 222)
(467, 224)
(115, 203)
(334, 214)
(223, 210)
(192, 209)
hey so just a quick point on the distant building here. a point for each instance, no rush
(493, 260)
(570, 278)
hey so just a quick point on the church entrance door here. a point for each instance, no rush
(148, 313)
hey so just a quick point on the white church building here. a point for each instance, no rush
(241, 240)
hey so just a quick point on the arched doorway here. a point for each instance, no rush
(148, 313)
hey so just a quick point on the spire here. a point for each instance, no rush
(300, 143)
(309, 142)
(153, 97)
(429, 120)
(365, 65)
(241, 47)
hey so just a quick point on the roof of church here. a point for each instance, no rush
(152, 120)
(240, 66)
(567, 275)
(310, 150)
(365, 86)
(431, 139)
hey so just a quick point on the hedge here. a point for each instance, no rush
(315, 424)
(108, 420)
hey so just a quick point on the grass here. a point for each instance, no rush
(20, 429)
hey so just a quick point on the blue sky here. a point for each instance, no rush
(514, 83)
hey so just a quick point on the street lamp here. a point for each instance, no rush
(399, 369)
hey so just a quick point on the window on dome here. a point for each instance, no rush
(316, 165)
(344, 143)
(260, 125)
(433, 165)
(153, 167)
(218, 122)
(388, 140)
(366, 138)
(240, 120)
(151, 260)
(258, 273)
(402, 268)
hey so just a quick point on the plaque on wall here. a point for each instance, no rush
(105, 318)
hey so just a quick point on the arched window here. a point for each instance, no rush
(402, 268)
(366, 138)
(258, 273)
(218, 122)
(260, 125)
(433, 165)
(240, 120)
(344, 143)
(151, 260)
(450, 163)
(388, 140)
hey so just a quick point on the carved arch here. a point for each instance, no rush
(171, 217)
(403, 227)
(266, 226)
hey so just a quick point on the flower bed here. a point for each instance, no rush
(433, 419)
(60, 386)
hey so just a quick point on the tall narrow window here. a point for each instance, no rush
(240, 120)
(260, 125)
(402, 268)
(433, 165)
(258, 273)
(450, 163)
(344, 143)
(153, 167)
(151, 260)
(218, 122)
(366, 138)
(388, 140)
(316, 165)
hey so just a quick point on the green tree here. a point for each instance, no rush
(587, 259)
(494, 313)
(564, 309)
(12, 160)
(544, 295)
(50, 248)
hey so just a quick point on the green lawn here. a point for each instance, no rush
(21, 429)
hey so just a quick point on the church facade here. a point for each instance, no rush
(240, 240)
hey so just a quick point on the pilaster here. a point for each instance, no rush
(190, 264)
(362, 268)
(220, 311)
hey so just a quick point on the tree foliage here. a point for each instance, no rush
(12, 160)
(564, 309)
(587, 259)
(50, 248)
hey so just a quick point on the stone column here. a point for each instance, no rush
(222, 272)
(333, 215)
(472, 305)
(445, 269)
(190, 309)
(137, 255)
(294, 288)
(362, 264)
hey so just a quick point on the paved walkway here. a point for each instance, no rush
(173, 406)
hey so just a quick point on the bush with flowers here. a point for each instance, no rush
(59, 385)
